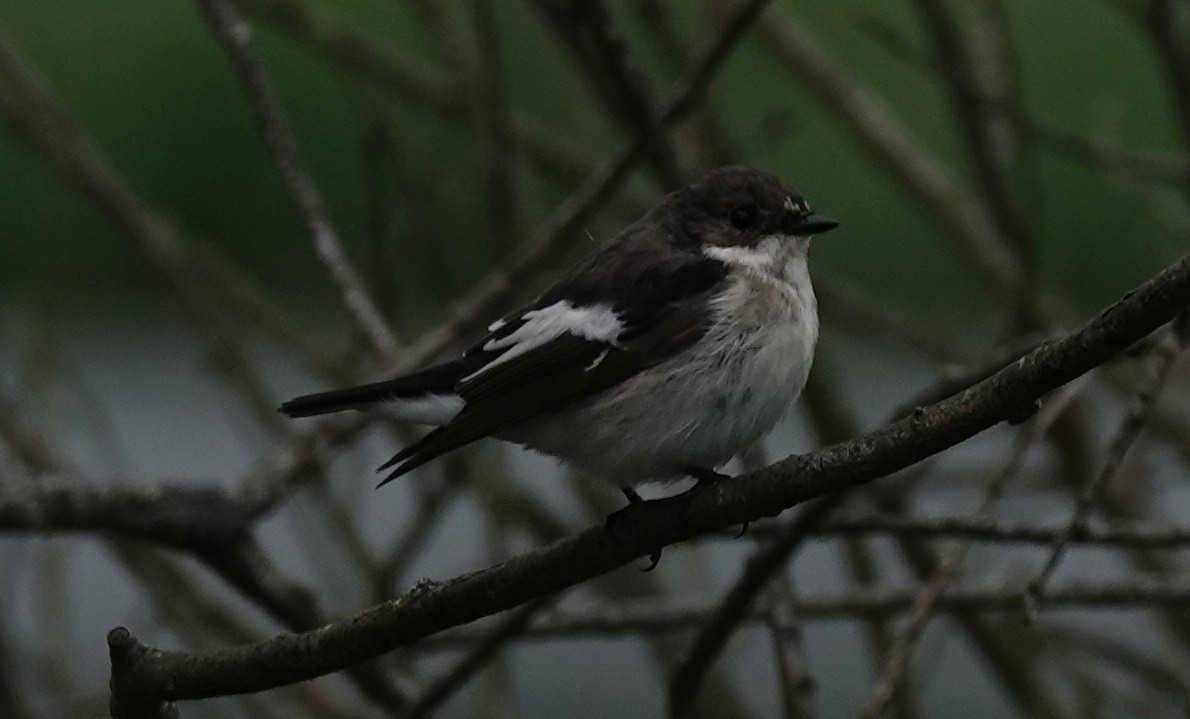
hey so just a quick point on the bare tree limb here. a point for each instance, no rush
(621, 618)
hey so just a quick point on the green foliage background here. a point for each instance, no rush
(158, 96)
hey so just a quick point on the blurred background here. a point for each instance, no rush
(1001, 170)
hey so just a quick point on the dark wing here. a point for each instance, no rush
(659, 302)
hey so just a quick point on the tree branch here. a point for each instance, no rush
(651, 618)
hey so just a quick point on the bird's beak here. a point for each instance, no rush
(811, 224)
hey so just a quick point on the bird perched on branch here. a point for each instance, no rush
(662, 355)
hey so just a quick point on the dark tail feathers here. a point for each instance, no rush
(435, 380)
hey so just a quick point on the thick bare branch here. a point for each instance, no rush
(620, 618)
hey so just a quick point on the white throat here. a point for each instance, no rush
(778, 260)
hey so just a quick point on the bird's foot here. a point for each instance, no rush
(631, 495)
(706, 477)
(634, 501)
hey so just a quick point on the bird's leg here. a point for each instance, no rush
(634, 499)
(705, 477)
(631, 495)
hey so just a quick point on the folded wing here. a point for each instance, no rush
(569, 345)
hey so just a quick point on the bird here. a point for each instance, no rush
(660, 356)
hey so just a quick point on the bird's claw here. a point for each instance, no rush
(615, 517)
(654, 560)
(704, 478)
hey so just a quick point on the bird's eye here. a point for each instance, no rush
(742, 217)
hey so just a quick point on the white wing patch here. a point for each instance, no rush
(595, 322)
(595, 363)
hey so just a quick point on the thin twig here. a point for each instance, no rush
(1098, 153)
(963, 218)
(843, 305)
(590, 30)
(1167, 25)
(478, 655)
(209, 288)
(991, 142)
(757, 573)
(65, 504)
(1129, 431)
(1082, 643)
(1141, 501)
(401, 77)
(12, 703)
(897, 661)
(564, 224)
(707, 138)
(1146, 535)
(866, 576)
(502, 159)
(793, 667)
(235, 37)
